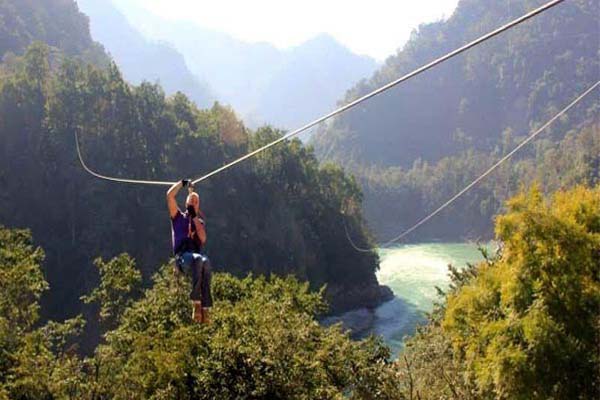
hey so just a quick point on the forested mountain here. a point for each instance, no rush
(279, 213)
(58, 23)
(522, 324)
(139, 58)
(255, 225)
(285, 88)
(396, 197)
(416, 145)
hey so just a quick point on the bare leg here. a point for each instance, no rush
(197, 311)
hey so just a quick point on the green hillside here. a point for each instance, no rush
(414, 146)
(279, 213)
(58, 23)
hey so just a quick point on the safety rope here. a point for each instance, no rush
(341, 109)
(113, 179)
(480, 178)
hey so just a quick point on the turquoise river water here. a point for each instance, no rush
(412, 272)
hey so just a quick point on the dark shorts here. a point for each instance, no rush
(198, 267)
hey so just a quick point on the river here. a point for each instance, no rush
(412, 272)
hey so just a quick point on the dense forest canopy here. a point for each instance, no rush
(278, 213)
(415, 146)
(523, 324)
(264, 342)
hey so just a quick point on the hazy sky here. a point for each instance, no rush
(373, 27)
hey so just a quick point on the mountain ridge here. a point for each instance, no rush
(141, 59)
(417, 145)
(252, 77)
(59, 24)
(498, 85)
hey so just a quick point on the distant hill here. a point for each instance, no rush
(139, 58)
(309, 81)
(58, 23)
(264, 84)
(418, 144)
(511, 82)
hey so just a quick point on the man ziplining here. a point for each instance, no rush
(189, 238)
(188, 231)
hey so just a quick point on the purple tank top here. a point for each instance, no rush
(179, 233)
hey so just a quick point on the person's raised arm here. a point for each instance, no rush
(171, 196)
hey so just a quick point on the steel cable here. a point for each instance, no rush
(482, 176)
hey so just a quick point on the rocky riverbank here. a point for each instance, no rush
(342, 298)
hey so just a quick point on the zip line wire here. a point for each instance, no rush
(481, 177)
(382, 89)
(113, 179)
(386, 87)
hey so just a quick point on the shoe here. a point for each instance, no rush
(197, 311)
(206, 315)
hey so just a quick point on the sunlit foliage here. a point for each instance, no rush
(525, 323)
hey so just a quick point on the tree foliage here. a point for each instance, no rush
(35, 362)
(57, 23)
(417, 145)
(278, 213)
(119, 283)
(263, 343)
(523, 324)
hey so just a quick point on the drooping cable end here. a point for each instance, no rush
(359, 249)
